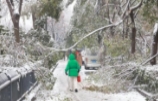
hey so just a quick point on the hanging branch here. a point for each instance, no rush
(149, 59)
(94, 32)
(89, 34)
(111, 25)
(101, 28)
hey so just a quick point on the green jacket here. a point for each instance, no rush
(72, 67)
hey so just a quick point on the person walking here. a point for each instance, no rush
(72, 70)
(79, 57)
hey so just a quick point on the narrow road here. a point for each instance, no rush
(61, 86)
(60, 92)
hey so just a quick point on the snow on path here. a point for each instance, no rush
(61, 87)
(84, 95)
(61, 84)
(60, 91)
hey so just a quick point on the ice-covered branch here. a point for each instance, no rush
(95, 32)
(89, 34)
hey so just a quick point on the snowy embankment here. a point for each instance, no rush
(61, 92)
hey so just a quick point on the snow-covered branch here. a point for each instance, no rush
(95, 32)
(89, 34)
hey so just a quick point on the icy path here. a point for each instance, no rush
(61, 92)
(61, 86)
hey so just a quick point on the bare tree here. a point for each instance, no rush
(131, 13)
(15, 16)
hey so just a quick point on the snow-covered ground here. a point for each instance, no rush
(61, 92)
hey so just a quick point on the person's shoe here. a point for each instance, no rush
(76, 90)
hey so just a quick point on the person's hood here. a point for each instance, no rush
(71, 57)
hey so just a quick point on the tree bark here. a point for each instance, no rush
(15, 17)
(133, 35)
(154, 49)
(126, 32)
(129, 11)
(133, 40)
(16, 30)
(46, 22)
(123, 35)
(110, 21)
(33, 20)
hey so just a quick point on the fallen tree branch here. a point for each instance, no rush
(101, 28)
(149, 96)
(148, 59)
(89, 34)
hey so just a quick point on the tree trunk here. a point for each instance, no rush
(126, 32)
(111, 28)
(154, 49)
(133, 35)
(123, 34)
(16, 30)
(125, 28)
(100, 38)
(46, 23)
(33, 20)
(133, 40)
(15, 17)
